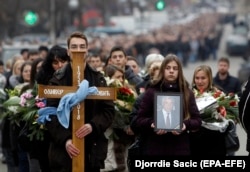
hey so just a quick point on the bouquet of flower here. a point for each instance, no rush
(226, 106)
(24, 108)
(123, 104)
(125, 98)
(31, 104)
(12, 106)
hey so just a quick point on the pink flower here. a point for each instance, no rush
(40, 104)
(23, 101)
(27, 95)
(24, 98)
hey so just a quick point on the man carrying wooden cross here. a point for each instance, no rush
(98, 117)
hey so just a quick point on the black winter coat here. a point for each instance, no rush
(244, 111)
(229, 85)
(166, 144)
(98, 113)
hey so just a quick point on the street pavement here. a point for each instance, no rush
(3, 167)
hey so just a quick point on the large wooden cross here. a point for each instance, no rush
(105, 93)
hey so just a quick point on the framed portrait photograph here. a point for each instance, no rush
(168, 113)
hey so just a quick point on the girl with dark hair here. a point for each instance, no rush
(56, 59)
(119, 134)
(42, 70)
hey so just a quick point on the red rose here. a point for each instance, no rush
(223, 111)
(216, 94)
(125, 91)
(233, 103)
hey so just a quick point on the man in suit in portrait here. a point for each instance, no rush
(168, 117)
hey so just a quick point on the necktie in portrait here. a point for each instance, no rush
(168, 120)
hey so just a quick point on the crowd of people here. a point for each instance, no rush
(112, 126)
(193, 41)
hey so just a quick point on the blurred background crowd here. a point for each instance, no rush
(139, 26)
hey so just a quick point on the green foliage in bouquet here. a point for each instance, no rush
(227, 106)
(24, 108)
(210, 115)
(125, 98)
(12, 107)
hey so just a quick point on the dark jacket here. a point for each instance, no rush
(229, 85)
(134, 114)
(167, 144)
(244, 111)
(207, 142)
(132, 78)
(143, 85)
(98, 113)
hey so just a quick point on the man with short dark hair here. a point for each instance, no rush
(43, 51)
(32, 55)
(133, 63)
(99, 115)
(118, 57)
(25, 52)
(226, 82)
(95, 62)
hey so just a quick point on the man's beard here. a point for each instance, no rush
(223, 72)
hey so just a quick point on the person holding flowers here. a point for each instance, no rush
(35, 136)
(161, 142)
(56, 59)
(153, 64)
(119, 134)
(14, 114)
(217, 111)
(39, 137)
(118, 57)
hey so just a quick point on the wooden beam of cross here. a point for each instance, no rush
(104, 93)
